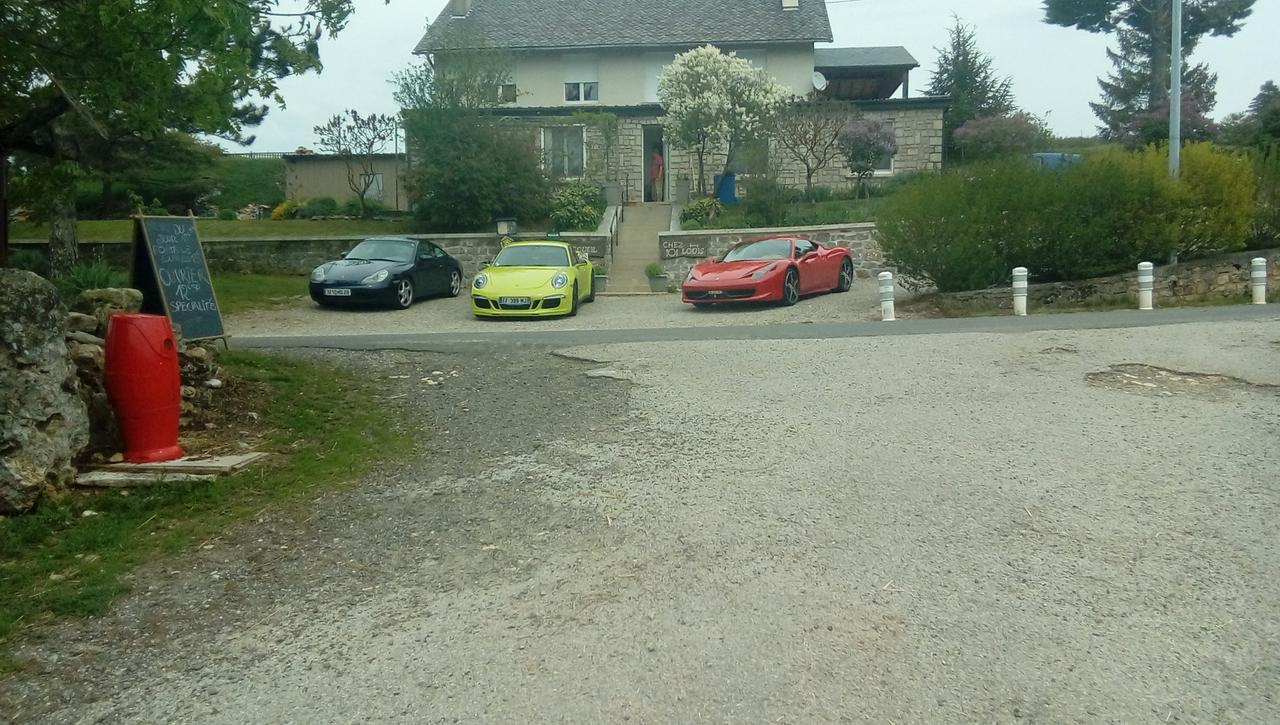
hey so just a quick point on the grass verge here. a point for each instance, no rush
(245, 292)
(934, 305)
(57, 563)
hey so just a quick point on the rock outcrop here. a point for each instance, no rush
(43, 424)
(102, 303)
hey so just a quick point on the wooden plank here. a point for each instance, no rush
(214, 464)
(137, 479)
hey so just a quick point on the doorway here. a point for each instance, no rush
(655, 164)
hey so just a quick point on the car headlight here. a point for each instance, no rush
(689, 277)
(317, 274)
(480, 281)
(560, 280)
(761, 273)
(379, 276)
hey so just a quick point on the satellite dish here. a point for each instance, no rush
(819, 81)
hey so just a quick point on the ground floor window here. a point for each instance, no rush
(885, 167)
(373, 184)
(564, 151)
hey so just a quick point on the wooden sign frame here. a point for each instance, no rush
(143, 275)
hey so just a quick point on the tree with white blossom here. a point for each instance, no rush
(715, 100)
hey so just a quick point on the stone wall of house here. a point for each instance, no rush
(300, 256)
(918, 132)
(1225, 277)
(679, 251)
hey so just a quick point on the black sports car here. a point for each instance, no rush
(387, 270)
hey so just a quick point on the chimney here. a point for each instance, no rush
(790, 4)
(460, 8)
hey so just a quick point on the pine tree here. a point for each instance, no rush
(1138, 87)
(968, 76)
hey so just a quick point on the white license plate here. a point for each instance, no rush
(514, 301)
(337, 293)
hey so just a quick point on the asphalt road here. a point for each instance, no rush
(497, 337)
(1061, 526)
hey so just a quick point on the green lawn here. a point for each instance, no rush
(320, 426)
(122, 229)
(244, 292)
(800, 213)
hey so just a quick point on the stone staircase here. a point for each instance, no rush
(637, 247)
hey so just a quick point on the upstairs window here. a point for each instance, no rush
(579, 73)
(507, 93)
(582, 91)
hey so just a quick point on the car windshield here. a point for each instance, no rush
(763, 249)
(387, 250)
(533, 255)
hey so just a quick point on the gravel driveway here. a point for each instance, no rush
(1044, 527)
(305, 318)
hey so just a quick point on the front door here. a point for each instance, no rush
(655, 164)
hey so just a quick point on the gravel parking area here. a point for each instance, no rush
(1057, 527)
(305, 318)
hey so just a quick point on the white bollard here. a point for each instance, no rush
(1146, 285)
(886, 297)
(1258, 280)
(1020, 291)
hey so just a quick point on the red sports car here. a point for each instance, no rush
(780, 269)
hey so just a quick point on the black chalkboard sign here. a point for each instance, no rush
(169, 269)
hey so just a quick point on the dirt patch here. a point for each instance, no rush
(1162, 382)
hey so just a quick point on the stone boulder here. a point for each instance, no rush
(43, 424)
(102, 303)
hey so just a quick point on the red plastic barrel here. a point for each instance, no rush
(144, 386)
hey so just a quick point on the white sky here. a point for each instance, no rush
(1054, 69)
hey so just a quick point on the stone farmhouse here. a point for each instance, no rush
(606, 56)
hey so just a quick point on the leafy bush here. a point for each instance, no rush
(1216, 205)
(654, 270)
(765, 202)
(227, 215)
(996, 136)
(702, 210)
(372, 207)
(319, 207)
(1266, 220)
(287, 209)
(577, 206)
(30, 260)
(96, 275)
(866, 144)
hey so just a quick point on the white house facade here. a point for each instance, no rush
(606, 55)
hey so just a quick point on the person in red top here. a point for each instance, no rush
(656, 168)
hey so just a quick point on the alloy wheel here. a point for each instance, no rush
(404, 293)
(846, 275)
(455, 284)
(791, 288)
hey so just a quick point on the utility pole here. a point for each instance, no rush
(1175, 93)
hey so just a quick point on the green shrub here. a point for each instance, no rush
(372, 207)
(1216, 205)
(319, 207)
(227, 215)
(1266, 219)
(287, 209)
(967, 229)
(765, 202)
(30, 260)
(96, 275)
(654, 270)
(577, 206)
(701, 211)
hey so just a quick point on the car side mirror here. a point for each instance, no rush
(486, 264)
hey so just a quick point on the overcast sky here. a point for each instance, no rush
(1054, 69)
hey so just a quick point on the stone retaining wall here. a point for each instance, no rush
(300, 256)
(1225, 276)
(679, 251)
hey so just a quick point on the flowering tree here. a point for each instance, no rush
(714, 99)
(866, 144)
(994, 136)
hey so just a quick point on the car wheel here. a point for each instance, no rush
(403, 289)
(845, 280)
(791, 287)
(455, 284)
(573, 301)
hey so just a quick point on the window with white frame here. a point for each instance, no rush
(507, 93)
(564, 151)
(580, 74)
